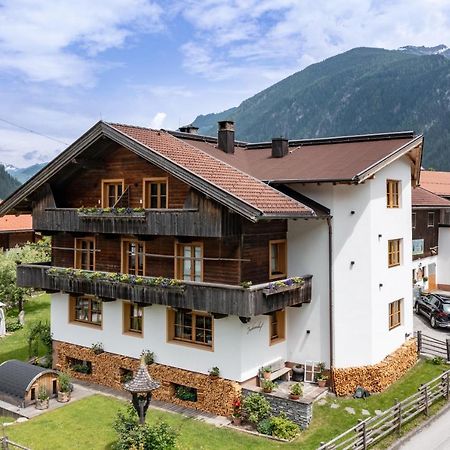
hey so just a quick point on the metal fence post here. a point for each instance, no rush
(419, 342)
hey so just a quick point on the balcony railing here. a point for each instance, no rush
(162, 222)
(211, 297)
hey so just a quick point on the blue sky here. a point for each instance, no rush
(65, 64)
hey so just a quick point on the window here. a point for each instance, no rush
(395, 314)
(86, 310)
(133, 316)
(277, 326)
(393, 193)
(133, 257)
(189, 326)
(277, 259)
(414, 220)
(85, 253)
(111, 192)
(394, 252)
(431, 219)
(155, 193)
(189, 262)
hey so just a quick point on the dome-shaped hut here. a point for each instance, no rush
(20, 382)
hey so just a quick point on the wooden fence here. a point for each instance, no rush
(6, 444)
(372, 430)
(427, 345)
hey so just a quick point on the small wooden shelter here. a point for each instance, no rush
(20, 382)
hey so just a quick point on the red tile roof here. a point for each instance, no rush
(222, 175)
(422, 197)
(16, 223)
(436, 182)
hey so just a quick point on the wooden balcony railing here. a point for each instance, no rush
(211, 297)
(162, 222)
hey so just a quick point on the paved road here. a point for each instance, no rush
(423, 324)
(436, 436)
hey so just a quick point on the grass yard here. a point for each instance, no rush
(15, 346)
(87, 423)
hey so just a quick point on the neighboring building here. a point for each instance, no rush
(16, 230)
(219, 214)
(427, 211)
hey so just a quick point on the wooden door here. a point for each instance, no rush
(431, 277)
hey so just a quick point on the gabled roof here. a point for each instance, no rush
(422, 198)
(227, 185)
(436, 182)
(16, 223)
(350, 159)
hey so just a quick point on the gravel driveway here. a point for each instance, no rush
(423, 324)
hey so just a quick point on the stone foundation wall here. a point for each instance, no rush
(213, 395)
(378, 377)
(295, 410)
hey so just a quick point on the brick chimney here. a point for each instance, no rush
(189, 129)
(225, 136)
(280, 147)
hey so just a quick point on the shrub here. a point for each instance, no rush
(149, 357)
(437, 360)
(214, 371)
(284, 428)
(132, 435)
(39, 333)
(64, 382)
(268, 385)
(256, 408)
(81, 368)
(265, 427)
(186, 393)
(13, 325)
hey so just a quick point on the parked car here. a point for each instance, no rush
(436, 308)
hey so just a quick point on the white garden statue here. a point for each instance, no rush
(2, 320)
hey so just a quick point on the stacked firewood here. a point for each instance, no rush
(214, 395)
(379, 376)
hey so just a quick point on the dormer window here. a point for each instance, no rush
(155, 193)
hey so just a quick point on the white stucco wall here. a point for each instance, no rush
(239, 349)
(360, 265)
(443, 265)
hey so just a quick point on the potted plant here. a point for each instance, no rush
(214, 373)
(97, 348)
(296, 391)
(267, 371)
(268, 386)
(42, 398)
(64, 388)
(236, 417)
(322, 380)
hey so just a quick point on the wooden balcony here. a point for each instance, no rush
(214, 298)
(159, 222)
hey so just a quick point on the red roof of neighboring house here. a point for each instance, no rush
(222, 175)
(436, 182)
(16, 223)
(422, 197)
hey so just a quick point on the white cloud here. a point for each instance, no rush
(57, 41)
(158, 120)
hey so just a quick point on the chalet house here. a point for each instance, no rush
(212, 252)
(428, 210)
(16, 230)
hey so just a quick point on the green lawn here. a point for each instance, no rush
(15, 346)
(87, 423)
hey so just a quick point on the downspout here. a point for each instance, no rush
(330, 297)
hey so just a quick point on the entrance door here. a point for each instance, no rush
(431, 277)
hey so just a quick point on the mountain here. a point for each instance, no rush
(25, 173)
(364, 90)
(8, 183)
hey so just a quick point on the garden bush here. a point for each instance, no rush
(256, 408)
(284, 428)
(13, 325)
(133, 435)
(265, 427)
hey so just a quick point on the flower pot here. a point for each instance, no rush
(267, 390)
(63, 397)
(237, 421)
(42, 404)
(322, 383)
(266, 375)
(294, 397)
